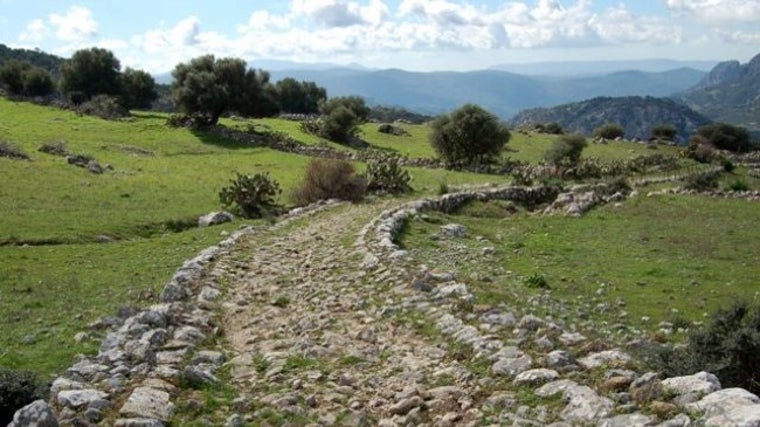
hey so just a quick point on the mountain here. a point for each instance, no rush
(500, 92)
(596, 68)
(636, 114)
(729, 93)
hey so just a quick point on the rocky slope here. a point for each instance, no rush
(729, 93)
(637, 115)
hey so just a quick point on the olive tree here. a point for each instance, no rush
(90, 72)
(468, 136)
(138, 89)
(299, 97)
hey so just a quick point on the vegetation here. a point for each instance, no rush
(385, 175)
(468, 136)
(665, 132)
(566, 150)
(206, 87)
(329, 179)
(299, 97)
(725, 137)
(609, 131)
(17, 389)
(22, 78)
(341, 118)
(252, 196)
(90, 72)
(138, 89)
(729, 347)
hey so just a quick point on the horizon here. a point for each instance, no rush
(411, 35)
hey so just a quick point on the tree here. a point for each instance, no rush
(467, 136)
(22, 78)
(207, 87)
(299, 97)
(138, 89)
(609, 131)
(90, 72)
(566, 150)
(666, 132)
(341, 117)
(726, 137)
(260, 99)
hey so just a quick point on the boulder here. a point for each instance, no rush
(35, 414)
(215, 218)
(701, 383)
(146, 402)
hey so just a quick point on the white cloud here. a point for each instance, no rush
(619, 25)
(76, 25)
(35, 31)
(718, 11)
(183, 34)
(340, 13)
(740, 37)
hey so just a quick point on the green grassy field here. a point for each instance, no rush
(54, 278)
(665, 257)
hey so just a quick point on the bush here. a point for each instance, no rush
(18, 389)
(536, 281)
(12, 152)
(728, 347)
(566, 150)
(701, 182)
(609, 131)
(726, 137)
(251, 196)
(103, 106)
(56, 148)
(738, 185)
(469, 136)
(665, 132)
(554, 129)
(330, 179)
(385, 174)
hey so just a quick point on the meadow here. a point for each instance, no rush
(76, 246)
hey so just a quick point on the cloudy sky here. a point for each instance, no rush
(409, 34)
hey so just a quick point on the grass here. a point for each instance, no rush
(163, 179)
(665, 257)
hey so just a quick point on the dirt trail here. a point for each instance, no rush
(315, 338)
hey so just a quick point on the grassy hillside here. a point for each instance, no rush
(55, 278)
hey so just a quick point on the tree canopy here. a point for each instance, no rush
(299, 97)
(138, 89)
(91, 72)
(468, 136)
(23, 78)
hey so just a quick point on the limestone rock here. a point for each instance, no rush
(723, 402)
(607, 357)
(584, 405)
(627, 420)
(35, 414)
(215, 218)
(79, 398)
(146, 402)
(701, 383)
(536, 376)
(511, 366)
(454, 230)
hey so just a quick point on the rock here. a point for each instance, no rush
(742, 416)
(646, 388)
(680, 420)
(627, 420)
(607, 357)
(208, 356)
(555, 387)
(215, 218)
(454, 230)
(536, 376)
(499, 318)
(403, 406)
(530, 322)
(75, 399)
(701, 383)
(615, 384)
(571, 338)
(146, 402)
(723, 401)
(559, 359)
(663, 410)
(511, 366)
(584, 405)
(35, 414)
(138, 422)
(173, 292)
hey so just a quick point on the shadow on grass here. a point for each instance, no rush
(210, 138)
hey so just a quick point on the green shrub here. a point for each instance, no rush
(18, 389)
(385, 174)
(609, 131)
(251, 196)
(729, 347)
(536, 281)
(443, 188)
(666, 132)
(738, 185)
(330, 179)
(469, 136)
(728, 165)
(56, 148)
(701, 182)
(566, 150)
(726, 137)
(554, 129)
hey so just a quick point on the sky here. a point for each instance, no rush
(416, 35)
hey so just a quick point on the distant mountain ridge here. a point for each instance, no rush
(637, 115)
(729, 93)
(500, 92)
(596, 68)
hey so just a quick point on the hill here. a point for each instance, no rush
(501, 92)
(598, 68)
(729, 93)
(637, 115)
(46, 61)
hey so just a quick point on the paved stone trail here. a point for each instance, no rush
(312, 334)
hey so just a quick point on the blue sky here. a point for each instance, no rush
(409, 34)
